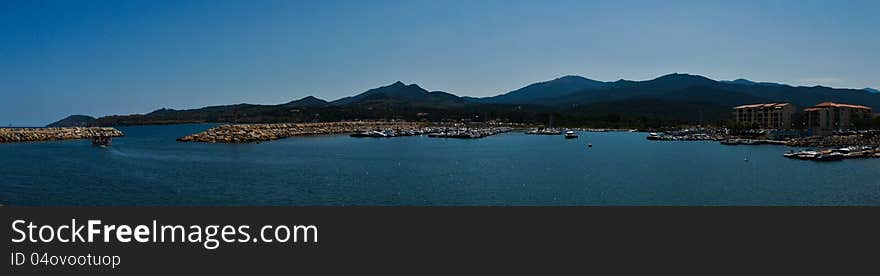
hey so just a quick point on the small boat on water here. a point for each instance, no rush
(101, 141)
(730, 142)
(570, 135)
(373, 133)
(653, 136)
(751, 142)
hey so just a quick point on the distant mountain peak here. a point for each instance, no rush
(400, 92)
(678, 76)
(872, 90)
(308, 101)
(399, 85)
(163, 110)
(741, 81)
(552, 88)
(680, 81)
(573, 78)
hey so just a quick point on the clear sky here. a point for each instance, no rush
(120, 57)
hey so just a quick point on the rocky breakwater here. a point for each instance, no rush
(13, 135)
(836, 141)
(255, 133)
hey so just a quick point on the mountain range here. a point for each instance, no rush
(73, 121)
(573, 91)
(575, 100)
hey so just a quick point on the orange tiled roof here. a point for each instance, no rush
(764, 105)
(830, 104)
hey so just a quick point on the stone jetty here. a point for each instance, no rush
(836, 141)
(254, 133)
(13, 135)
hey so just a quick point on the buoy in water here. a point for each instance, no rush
(589, 145)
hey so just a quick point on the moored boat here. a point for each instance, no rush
(570, 135)
(803, 155)
(101, 141)
(730, 142)
(372, 133)
(751, 142)
(833, 156)
(544, 131)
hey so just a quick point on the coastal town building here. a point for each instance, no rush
(824, 118)
(765, 115)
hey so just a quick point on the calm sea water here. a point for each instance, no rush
(149, 168)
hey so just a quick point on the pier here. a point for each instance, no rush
(872, 139)
(255, 133)
(17, 135)
(864, 138)
(835, 154)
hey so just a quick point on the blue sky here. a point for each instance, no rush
(121, 57)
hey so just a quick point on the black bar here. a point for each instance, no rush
(500, 239)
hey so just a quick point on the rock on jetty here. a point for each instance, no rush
(250, 133)
(12, 135)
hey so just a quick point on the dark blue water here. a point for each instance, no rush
(149, 168)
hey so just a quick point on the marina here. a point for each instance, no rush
(544, 131)
(146, 167)
(436, 132)
(738, 141)
(468, 133)
(834, 148)
(684, 136)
